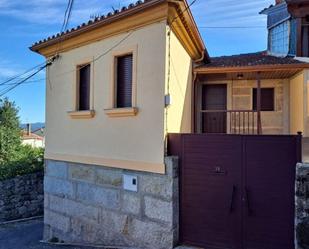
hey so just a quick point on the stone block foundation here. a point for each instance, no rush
(88, 204)
(21, 197)
(302, 206)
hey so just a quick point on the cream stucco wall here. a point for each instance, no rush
(35, 143)
(297, 103)
(239, 97)
(178, 86)
(128, 142)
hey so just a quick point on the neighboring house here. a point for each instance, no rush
(31, 138)
(120, 84)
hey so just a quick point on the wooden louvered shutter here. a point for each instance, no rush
(267, 99)
(124, 81)
(84, 88)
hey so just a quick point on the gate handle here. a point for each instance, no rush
(248, 201)
(232, 199)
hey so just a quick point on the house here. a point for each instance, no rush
(120, 84)
(31, 138)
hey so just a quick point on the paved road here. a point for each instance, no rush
(26, 235)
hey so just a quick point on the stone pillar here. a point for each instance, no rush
(302, 206)
(88, 204)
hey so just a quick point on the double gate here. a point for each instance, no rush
(237, 191)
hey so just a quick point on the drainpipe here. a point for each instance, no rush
(193, 102)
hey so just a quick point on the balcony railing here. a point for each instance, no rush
(230, 121)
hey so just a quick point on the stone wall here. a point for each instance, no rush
(302, 206)
(88, 204)
(21, 197)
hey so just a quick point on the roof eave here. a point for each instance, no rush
(243, 69)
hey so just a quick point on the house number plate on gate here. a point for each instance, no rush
(219, 171)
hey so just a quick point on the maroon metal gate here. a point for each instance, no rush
(237, 191)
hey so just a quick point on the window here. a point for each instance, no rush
(124, 78)
(279, 38)
(83, 100)
(267, 99)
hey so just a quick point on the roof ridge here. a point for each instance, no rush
(264, 52)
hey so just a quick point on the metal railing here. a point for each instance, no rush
(230, 121)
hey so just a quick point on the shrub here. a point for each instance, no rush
(15, 158)
(28, 160)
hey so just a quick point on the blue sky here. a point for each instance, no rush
(24, 22)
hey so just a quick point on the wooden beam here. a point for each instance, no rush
(246, 69)
(258, 105)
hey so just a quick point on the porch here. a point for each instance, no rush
(251, 94)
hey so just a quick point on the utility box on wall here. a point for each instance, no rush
(130, 183)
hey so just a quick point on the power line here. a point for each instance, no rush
(67, 16)
(67, 72)
(5, 91)
(185, 10)
(232, 27)
(20, 75)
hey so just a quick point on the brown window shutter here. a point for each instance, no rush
(267, 99)
(124, 81)
(84, 88)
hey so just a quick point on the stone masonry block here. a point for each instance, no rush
(158, 209)
(160, 186)
(131, 203)
(73, 208)
(59, 187)
(83, 230)
(172, 166)
(96, 195)
(56, 169)
(46, 200)
(242, 91)
(112, 221)
(109, 177)
(150, 235)
(82, 173)
(57, 221)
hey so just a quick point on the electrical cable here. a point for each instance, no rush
(10, 88)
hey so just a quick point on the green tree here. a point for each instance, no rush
(10, 139)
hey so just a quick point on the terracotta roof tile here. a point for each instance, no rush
(26, 136)
(252, 59)
(95, 20)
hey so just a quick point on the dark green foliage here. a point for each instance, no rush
(9, 131)
(29, 160)
(15, 158)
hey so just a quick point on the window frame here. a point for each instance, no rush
(274, 99)
(76, 113)
(283, 42)
(116, 102)
(113, 110)
(78, 68)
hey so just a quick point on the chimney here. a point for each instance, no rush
(28, 129)
(279, 1)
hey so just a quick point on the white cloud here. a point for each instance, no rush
(9, 69)
(52, 11)
(230, 12)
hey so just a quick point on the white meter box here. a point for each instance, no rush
(130, 183)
